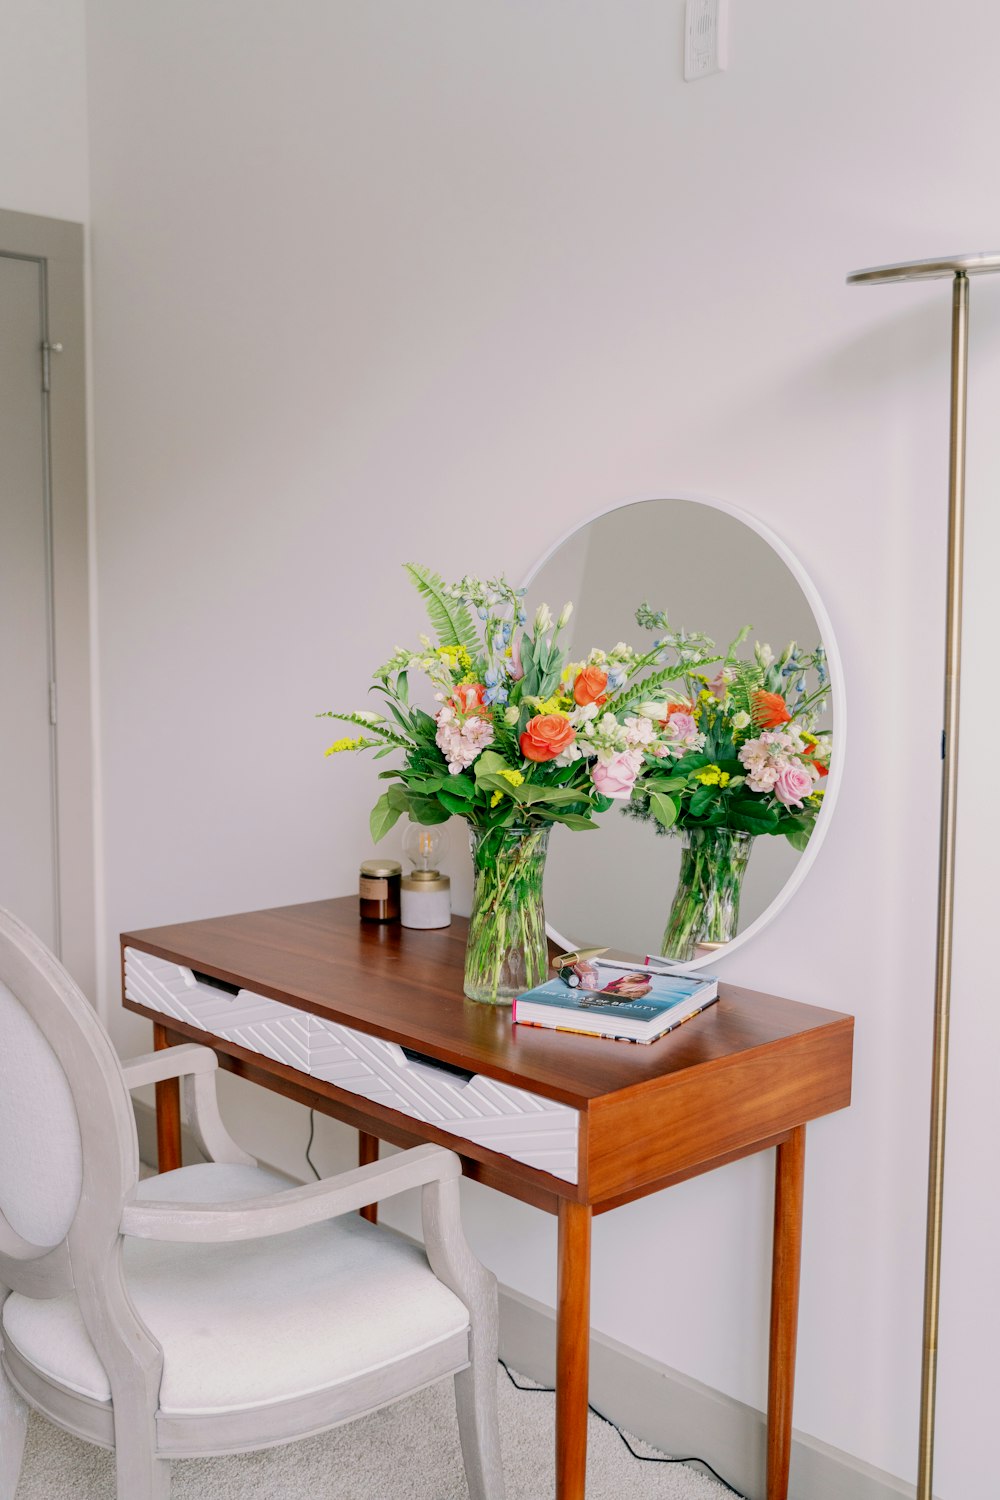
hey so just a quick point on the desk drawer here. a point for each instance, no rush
(505, 1119)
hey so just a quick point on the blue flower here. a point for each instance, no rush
(616, 678)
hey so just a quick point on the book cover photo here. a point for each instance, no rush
(624, 1001)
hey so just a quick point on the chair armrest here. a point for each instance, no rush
(172, 1062)
(198, 1066)
(277, 1213)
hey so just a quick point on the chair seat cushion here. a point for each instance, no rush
(254, 1322)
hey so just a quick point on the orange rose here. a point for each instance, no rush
(770, 710)
(589, 686)
(546, 736)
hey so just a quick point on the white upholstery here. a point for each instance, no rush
(40, 1155)
(254, 1322)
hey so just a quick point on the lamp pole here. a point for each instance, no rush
(959, 268)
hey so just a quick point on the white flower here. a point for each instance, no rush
(543, 619)
(655, 711)
(563, 619)
(367, 717)
(639, 732)
(741, 720)
(511, 714)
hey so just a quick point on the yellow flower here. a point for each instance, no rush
(456, 656)
(514, 777)
(345, 744)
(553, 705)
(713, 776)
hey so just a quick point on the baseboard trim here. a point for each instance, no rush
(662, 1406)
(680, 1415)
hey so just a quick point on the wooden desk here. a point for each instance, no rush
(319, 1006)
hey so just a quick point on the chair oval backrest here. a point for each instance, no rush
(68, 1149)
(41, 1160)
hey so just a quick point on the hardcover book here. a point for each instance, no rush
(623, 1002)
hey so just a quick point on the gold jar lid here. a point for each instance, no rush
(381, 867)
(426, 880)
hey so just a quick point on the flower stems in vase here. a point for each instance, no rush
(507, 949)
(706, 906)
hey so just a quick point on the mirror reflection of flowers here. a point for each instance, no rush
(733, 756)
(517, 738)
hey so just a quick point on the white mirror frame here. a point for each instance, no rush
(838, 703)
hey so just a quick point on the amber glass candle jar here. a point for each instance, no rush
(378, 890)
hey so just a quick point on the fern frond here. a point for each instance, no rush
(449, 617)
(746, 684)
(364, 721)
(646, 688)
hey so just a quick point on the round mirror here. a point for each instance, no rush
(694, 569)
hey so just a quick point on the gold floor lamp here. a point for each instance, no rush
(959, 268)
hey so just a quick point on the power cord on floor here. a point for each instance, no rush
(309, 1144)
(646, 1458)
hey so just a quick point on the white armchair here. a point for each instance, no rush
(213, 1309)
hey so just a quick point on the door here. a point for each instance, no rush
(28, 823)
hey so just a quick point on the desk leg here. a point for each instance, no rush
(572, 1350)
(367, 1153)
(168, 1111)
(787, 1257)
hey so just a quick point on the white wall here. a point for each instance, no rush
(380, 282)
(43, 108)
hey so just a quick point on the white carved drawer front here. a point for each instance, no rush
(508, 1120)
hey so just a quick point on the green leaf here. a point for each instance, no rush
(382, 818)
(701, 799)
(459, 787)
(488, 763)
(449, 617)
(663, 808)
(428, 810)
(455, 805)
(572, 820)
(798, 837)
(399, 797)
(752, 817)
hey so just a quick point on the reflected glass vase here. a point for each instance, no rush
(706, 907)
(507, 950)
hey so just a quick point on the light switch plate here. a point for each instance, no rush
(706, 29)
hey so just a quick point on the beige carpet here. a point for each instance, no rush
(408, 1451)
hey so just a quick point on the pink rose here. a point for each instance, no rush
(616, 777)
(793, 784)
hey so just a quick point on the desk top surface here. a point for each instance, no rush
(406, 985)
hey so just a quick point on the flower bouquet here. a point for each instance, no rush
(518, 738)
(743, 758)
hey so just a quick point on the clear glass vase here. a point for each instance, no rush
(706, 907)
(507, 950)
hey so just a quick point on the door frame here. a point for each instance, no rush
(59, 245)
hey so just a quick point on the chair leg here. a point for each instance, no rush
(13, 1426)
(13, 1431)
(141, 1475)
(479, 1428)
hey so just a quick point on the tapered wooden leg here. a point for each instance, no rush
(367, 1153)
(787, 1258)
(168, 1111)
(572, 1350)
